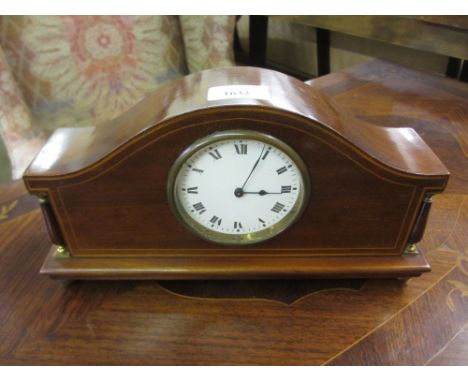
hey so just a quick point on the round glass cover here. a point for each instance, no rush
(238, 187)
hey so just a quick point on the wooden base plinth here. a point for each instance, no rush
(170, 268)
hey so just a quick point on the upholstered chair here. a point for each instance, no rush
(74, 71)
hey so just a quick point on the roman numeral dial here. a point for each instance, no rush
(215, 154)
(239, 187)
(241, 148)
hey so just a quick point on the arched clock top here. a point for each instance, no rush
(239, 92)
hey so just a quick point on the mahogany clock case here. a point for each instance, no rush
(105, 200)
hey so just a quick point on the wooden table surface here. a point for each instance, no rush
(309, 322)
(445, 35)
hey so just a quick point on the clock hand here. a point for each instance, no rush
(262, 192)
(253, 168)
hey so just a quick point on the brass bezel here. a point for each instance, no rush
(237, 239)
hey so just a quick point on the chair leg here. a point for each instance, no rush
(323, 51)
(258, 36)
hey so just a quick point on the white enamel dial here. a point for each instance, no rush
(239, 187)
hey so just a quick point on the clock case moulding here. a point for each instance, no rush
(103, 190)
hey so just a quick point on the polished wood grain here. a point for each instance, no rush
(294, 322)
(107, 187)
(455, 353)
(72, 152)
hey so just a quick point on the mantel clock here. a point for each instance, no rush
(235, 173)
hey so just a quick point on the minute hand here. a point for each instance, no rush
(253, 168)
